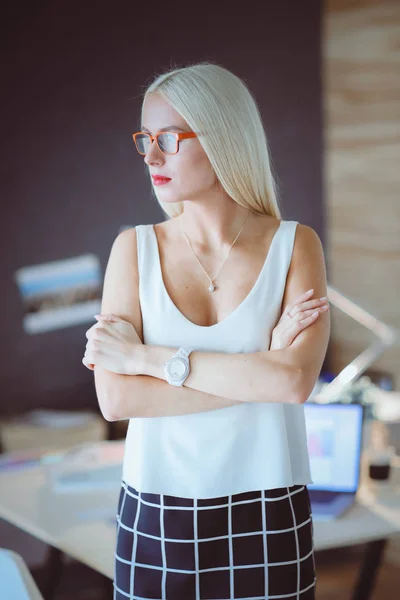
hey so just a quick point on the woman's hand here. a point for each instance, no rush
(114, 345)
(295, 318)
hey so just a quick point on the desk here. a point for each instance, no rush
(64, 522)
(61, 520)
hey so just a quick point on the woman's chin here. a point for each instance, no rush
(169, 198)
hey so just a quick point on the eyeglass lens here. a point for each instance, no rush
(166, 141)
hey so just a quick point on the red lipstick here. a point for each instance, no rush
(159, 180)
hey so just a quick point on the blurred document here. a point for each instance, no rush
(60, 294)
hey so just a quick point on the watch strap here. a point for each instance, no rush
(183, 352)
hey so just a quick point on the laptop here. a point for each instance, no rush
(334, 440)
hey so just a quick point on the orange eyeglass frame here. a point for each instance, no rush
(178, 136)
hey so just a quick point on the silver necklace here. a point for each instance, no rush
(212, 285)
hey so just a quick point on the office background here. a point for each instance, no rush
(74, 74)
(325, 76)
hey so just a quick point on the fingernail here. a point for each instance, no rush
(314, 313)
(323, 298)
(308, 291)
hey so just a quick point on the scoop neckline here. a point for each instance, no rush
(235, 310)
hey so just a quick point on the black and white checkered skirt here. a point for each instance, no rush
(254, 546)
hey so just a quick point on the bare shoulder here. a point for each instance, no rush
(121, 280)
(127, 236)
(123, 255)
(306, 239)
(308, 257)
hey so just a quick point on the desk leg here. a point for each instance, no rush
(107, 588)
(53, 573)
(369, 567)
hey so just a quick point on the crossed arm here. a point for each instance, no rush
(217, 380)
(233, 379)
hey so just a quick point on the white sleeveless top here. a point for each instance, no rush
(249, 446)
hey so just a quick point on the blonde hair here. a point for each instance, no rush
(212, 99)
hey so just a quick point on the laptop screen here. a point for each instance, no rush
(334, 440)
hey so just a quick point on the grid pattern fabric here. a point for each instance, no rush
(255, 545)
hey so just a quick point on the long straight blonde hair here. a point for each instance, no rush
(212, 99)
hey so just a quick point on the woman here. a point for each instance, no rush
(195, 350)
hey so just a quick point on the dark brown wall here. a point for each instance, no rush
(71, 78)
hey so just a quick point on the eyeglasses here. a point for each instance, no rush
(168, 142)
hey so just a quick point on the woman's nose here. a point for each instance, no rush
(153, 154)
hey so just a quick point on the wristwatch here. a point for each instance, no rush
(177, 368)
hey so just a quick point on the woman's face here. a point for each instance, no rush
(192, 176)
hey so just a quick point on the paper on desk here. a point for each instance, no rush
(89, 467)
(20, 460)
(58, 419)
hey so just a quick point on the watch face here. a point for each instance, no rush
(177, 368)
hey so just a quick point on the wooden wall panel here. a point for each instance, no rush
(362, 169)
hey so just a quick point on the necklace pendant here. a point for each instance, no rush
(211, 287)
